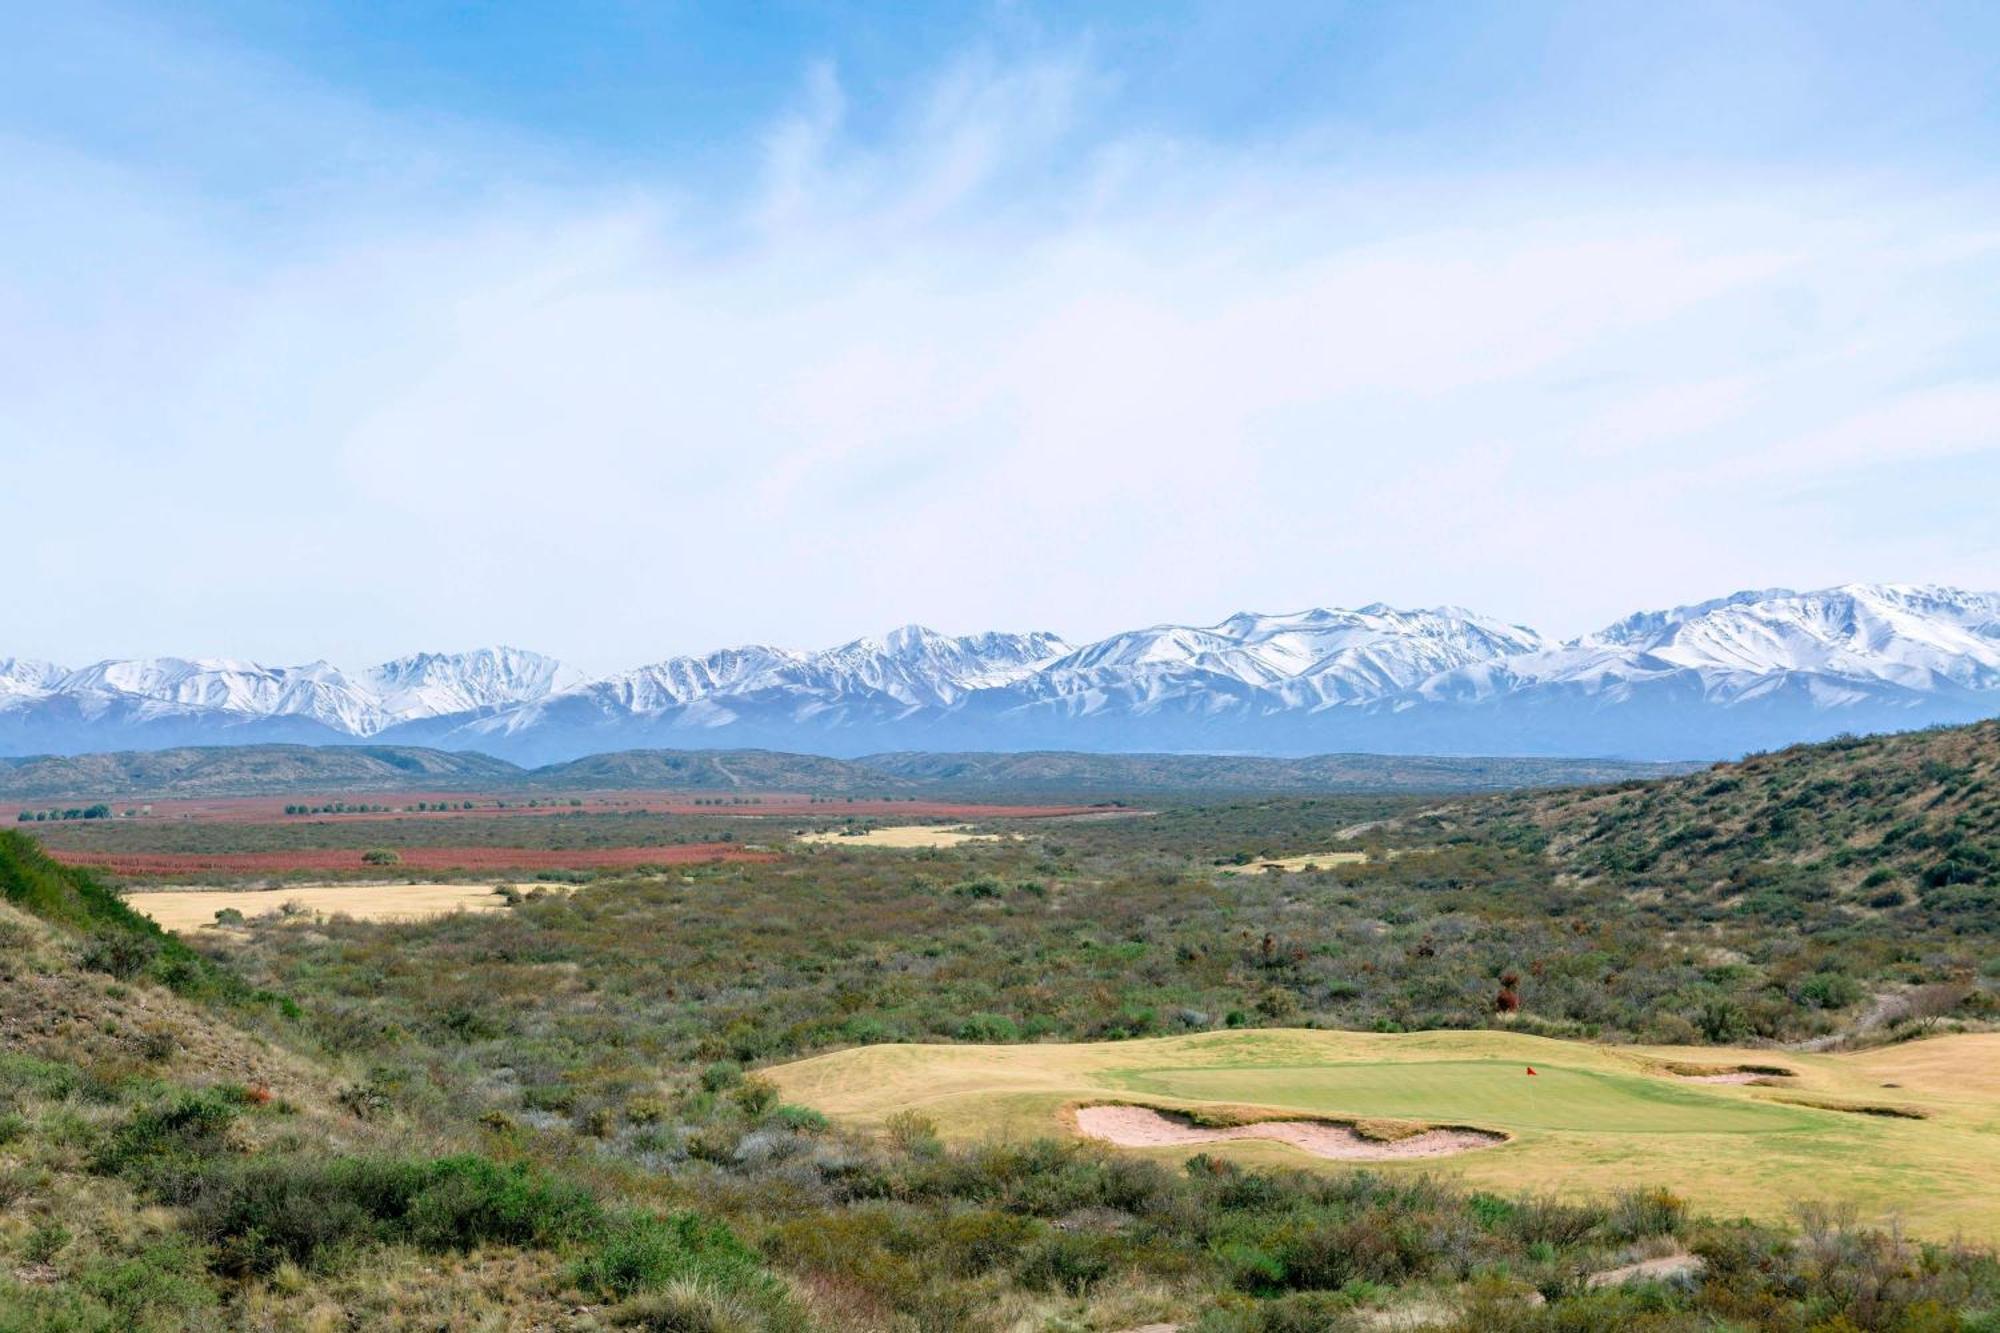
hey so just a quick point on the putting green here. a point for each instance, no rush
(1591, 1120)
(1487, 1093)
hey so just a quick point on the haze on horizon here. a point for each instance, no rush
(617, 333)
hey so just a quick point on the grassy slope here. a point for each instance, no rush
(1596, 1118)
(170, 1161)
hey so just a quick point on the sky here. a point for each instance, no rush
(619, 330)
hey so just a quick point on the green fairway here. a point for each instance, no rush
(1593, 1119)
(1476, 1092)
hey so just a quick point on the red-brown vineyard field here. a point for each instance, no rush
(324, 860)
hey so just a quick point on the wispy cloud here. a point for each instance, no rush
(1000, 362)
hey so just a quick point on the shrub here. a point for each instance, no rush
(639, 1251)
(45, 1242)
(688, 1305)
(160, 1287)
(1066, 1263)
(911, 1131)
(989, 1027)
(800, 1119)
(722, 1074)
(756, 1095)
(1648, 1212)
(381, 856)
(189, 1126)
(262, 1212)
(120, 953)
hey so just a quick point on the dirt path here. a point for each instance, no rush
(1886, 1009)
(1674, 1265)
(1143, 1127)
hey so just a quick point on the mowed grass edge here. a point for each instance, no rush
(1592, 1120)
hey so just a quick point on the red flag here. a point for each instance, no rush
(1532, 1073)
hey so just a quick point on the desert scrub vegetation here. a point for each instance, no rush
(1904, 827)
(232, 1212)
(555, 1115)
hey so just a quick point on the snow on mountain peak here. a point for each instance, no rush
(27, 676)
(1759, 666)
(436, 684)
(1898, 632)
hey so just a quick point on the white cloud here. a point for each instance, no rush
(996, 367)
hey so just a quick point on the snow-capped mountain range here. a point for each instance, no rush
(1743, 672)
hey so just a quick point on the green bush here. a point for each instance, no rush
(264, 1211)
(637, 1251)
(722, 1074)
(185, 1128)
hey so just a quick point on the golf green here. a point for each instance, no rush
(1487, 1093)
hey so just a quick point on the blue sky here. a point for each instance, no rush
(621, 329)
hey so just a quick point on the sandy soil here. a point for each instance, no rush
(1143, 1127)
(1291, 865)
(195, 909)
(914, 835)
(1724, 1078)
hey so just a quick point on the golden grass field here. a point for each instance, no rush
(1594, 1119)
(195, 908)
(904, 837)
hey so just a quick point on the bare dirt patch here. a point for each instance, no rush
(1648, 1270)
(195, 909)
(1292, 865)
(1144, 1127)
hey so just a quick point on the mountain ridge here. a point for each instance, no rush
(1710, 679)
(248, 770)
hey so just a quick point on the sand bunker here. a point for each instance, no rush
(195, 909)
(1143, 1127)
(905, 836)
(1725, 1074)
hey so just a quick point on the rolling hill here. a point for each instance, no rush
(232, 770)
(1906, 823)
(268, 769)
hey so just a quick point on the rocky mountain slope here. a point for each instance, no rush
(1714, 679)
